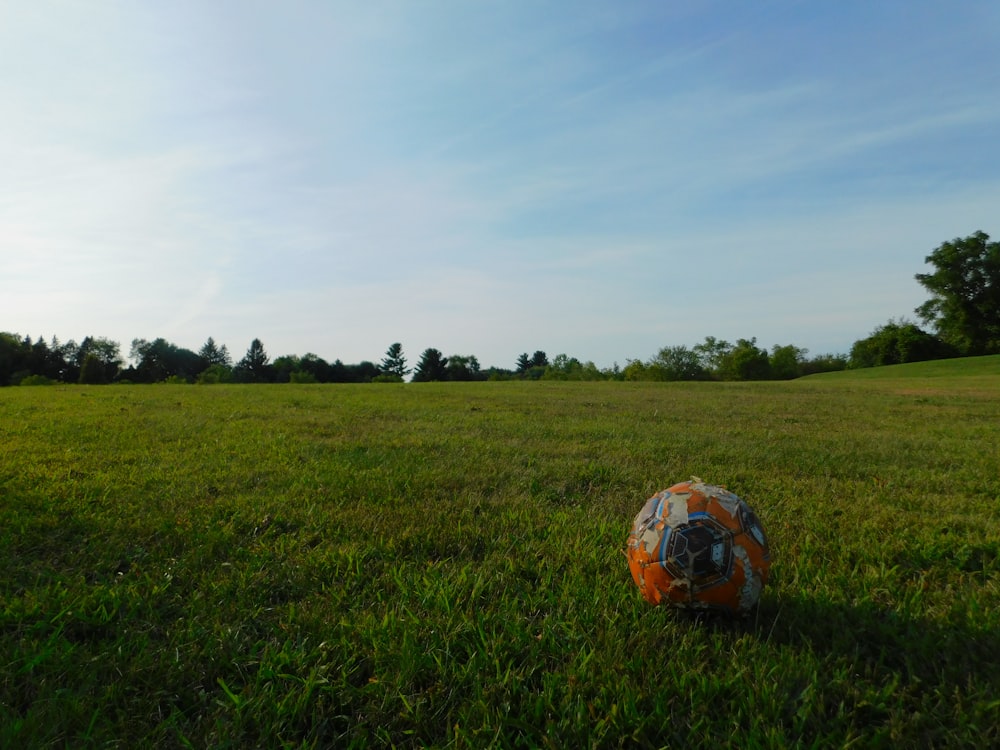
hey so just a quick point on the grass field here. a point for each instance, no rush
(441, 564)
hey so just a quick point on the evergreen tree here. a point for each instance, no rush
(432, 366)
(214, 354)
(254, 367)
(394, 363)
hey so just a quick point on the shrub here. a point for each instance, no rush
(215, 374)
(37, 380)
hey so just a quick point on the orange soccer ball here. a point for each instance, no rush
(698, 546)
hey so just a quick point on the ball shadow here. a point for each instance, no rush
(870, 635)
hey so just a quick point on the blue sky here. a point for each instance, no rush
(600, 179)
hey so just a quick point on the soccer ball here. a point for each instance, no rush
(698, 546)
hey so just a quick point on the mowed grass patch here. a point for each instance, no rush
(441, 565)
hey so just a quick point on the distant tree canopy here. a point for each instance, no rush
(97, 361)
(714, 359)
(670, 363)
(159, 360)
(746, 361)
(565, 367)
(964, 307)
(964, 311)
(787, 362)
(533, 367)
(712, 353)
(463, 367)
(16, 356)
(898, 342)
(435, 366)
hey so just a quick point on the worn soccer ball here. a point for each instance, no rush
(699, 546)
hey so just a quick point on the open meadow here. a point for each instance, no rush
(442, 564)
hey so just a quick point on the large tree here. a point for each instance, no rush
(965, 286)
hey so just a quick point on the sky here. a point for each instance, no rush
(598, 179)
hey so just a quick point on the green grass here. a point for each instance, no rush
(964, 368)
(441, 565)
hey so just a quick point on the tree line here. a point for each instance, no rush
(99, 361)
(963, 313)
